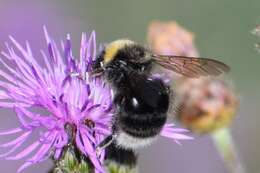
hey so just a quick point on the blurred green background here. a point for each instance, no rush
(222, 29)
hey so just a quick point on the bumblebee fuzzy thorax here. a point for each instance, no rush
(113, 48)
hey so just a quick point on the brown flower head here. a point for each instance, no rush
(206, 104)
(169, 38)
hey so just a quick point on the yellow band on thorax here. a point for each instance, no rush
(112, 49)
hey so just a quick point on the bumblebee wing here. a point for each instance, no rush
(191, 66)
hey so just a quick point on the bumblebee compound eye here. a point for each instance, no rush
(97, 67)
(97, 63)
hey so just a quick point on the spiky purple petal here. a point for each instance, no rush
(66, 98)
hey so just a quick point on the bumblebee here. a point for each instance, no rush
(142, 101)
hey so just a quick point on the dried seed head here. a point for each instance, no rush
(206, 104)
(169, 38)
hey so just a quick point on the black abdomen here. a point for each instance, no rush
(142, 105)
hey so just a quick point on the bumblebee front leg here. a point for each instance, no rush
(105, 143)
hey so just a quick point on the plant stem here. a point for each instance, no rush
(226, 147)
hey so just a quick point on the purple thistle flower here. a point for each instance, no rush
(68, 95)
(59, 89)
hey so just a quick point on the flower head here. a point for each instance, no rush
(68, 96)
(169, 38)
(206, 104)
(59, 89)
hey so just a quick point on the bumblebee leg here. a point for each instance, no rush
(105, 143)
